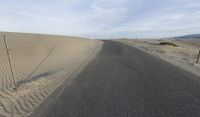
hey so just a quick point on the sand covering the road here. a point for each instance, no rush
(40, 64)
(183, 56)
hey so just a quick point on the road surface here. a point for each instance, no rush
(122, 81)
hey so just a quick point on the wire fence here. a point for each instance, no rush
(13, 74)
(27, 58)
(33, 66)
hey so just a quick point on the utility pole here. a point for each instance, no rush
(197, 61)
(10, 64)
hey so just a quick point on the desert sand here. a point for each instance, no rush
(40, 63)
(184, 56)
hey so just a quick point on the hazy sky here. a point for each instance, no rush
(102, 18)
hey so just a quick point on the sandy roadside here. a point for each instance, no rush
(40, 64)
(183, 56)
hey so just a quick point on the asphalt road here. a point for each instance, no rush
(122, 81)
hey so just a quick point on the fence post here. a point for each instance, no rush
(9, 60)
(197, 61)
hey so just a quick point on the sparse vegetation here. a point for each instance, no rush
(168, 43)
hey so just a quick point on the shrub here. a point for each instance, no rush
(168, 43)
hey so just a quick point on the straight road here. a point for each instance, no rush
(122, 81)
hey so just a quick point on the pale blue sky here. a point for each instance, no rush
(102, 18)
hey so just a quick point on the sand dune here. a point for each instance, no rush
(40, 63)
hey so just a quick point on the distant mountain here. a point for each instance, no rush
(193, 37)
